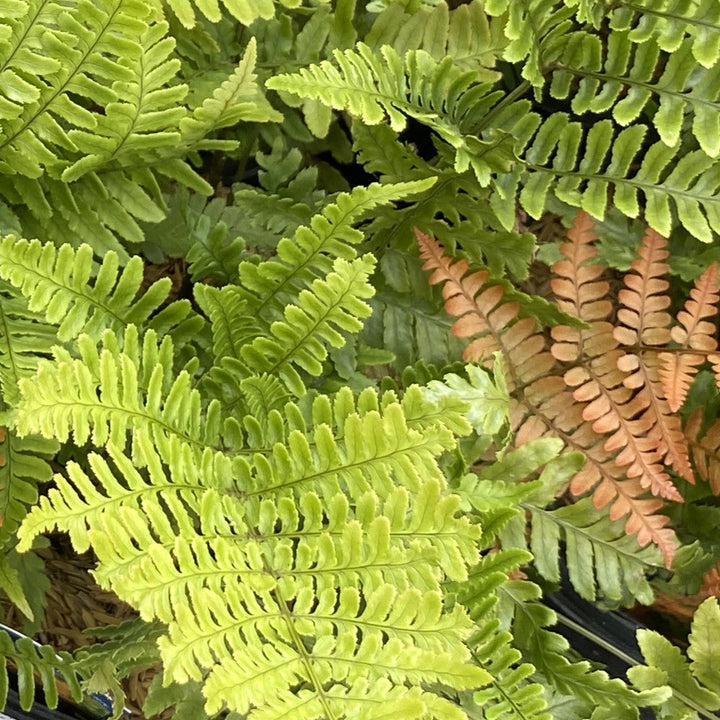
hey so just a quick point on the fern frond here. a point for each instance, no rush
(24, 338)
(705, 449)
(642, 325)
(38, 666)
(99, 397)
(580, 167)
(24, 465)
(76, 504)
(638, 73)
(530, 27)
(602, 559)
(388, 87)
(512, 692)
(255, 569)
(331, 307)
(669, 22)
(694, 332)
(237, 99)
(78, 57)
(694, 685)
(466, 34)
(549, 652)
(246, 11)
(611, 399)
(144, 115)
(59, 283)
(310, 254)
(701, 651)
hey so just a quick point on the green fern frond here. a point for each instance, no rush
(109, 392)
(246, 11)
(668, 22)
(548, 652)
(63, 285)
(601, 558)
(24, 338)
(77, 503)
(331, 307)
(625, 77)
(143, 117)
(37, 666)
(237, 99)
(330, 234)
(385, 87)
(531, 27)
(244, 556)
(512, 693)
(580, 168)
(128, 645)
(466, 34)
(269, 217)
(53, 58)
(693, 688)
(24, 465)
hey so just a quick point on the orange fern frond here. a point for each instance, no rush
(586, 405)
(644, 325)
(693, 332)
(486, 316)
(705, 450)
(599, 380)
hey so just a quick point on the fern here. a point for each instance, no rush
(608, 400)
(640, 72)
(465, 34)
(669, 22)
(39, 665)
(332, 553)
(57, 283)
(394, 88)
(89, 131)
(694, 685)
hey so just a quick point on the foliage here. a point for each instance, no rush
(219, 343)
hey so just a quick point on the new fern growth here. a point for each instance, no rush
(609, 390)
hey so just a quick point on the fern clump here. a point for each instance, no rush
(327, 487)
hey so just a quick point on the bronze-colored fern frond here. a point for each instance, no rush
(609, 389)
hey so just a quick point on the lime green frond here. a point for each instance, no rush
(383, 86)
(238, 99)
(77, 503)
(73, 54)
(326, 311)
(625, 77)
(246, 11)
(692, 688)
(24, 465)
(24, 338)
(330, 234)
(92, 116)
(343, 533)
(466, 34)
(511, 694)
(109, 392)
(63, 285)
(144, 115)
